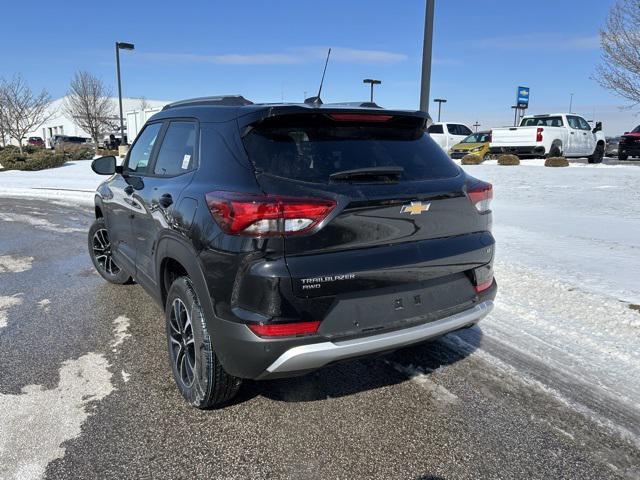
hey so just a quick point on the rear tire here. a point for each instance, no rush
(196, 369)
(622, 156)
(555, 150)
(100, 252)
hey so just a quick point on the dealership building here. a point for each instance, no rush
(60, 124)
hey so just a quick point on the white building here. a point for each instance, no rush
(60, 124)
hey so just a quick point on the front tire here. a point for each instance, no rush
(598, 154)
(196, 369)
(100, 252)
(622, 156)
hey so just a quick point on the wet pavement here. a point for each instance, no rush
(86, 392)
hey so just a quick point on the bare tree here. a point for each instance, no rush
(144, 104)
(620, 40)
(3, 120)
(23, 111)
(88, 104)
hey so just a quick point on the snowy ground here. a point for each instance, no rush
(568, 257)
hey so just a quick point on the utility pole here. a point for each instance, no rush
(571, 104)
(372, 82)
(440, 101)
(476, 125)
(427, 47)
(121, 46)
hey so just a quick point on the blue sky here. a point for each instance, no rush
(269, 50)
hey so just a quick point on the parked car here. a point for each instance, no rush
(35, 141)
(282, 238)
(447, 134)
(476, 143)
(551, 135)
(629, 144)
(612, 147)
(58, 141)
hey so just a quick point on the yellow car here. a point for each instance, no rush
(476, 143)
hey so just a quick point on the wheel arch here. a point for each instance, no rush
(175, 257)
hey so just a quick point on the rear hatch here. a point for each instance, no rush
(402, 222)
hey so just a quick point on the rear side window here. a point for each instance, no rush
(140, 153)
(176, 154)
(542, 122)
(312, 147)
(435, 129)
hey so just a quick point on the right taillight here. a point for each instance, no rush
(480, 195)
(257, 215)
(539, 134)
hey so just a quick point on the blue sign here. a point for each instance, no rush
(523, 97)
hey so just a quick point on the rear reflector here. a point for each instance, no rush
(359, 117)
(480, 195)
(285, 329)
(484, 285)
(266, 215)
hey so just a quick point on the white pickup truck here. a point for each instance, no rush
(552, 135)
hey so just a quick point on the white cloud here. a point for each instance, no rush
(289, 57)
(541, 41)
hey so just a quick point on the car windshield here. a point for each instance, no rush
(542, 122)
(480, 137)
(636, 130)
(313, 147)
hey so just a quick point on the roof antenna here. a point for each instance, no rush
(317, 100)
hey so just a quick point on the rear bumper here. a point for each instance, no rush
(317, 355)
(521, 151)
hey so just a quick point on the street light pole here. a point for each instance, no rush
(571, 103)
(372, 82)
(476, 125)
(427, 47)
(121, 46)
(440, 101)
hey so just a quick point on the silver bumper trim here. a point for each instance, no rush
(316, 355)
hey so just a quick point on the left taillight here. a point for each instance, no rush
(285, 329)
(266, 215)
(480, 195)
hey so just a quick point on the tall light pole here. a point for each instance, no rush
(121, 46)
(372, 82)
(427, 47)
(476, 125)
(571, 103)
(440, 101)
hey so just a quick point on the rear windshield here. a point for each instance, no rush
(312, 147)
(542, 122)
(481, 137)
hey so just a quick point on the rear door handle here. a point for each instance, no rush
(165, 200)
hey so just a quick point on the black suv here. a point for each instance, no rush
(280, 238)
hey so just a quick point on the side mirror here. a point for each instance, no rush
(104, 165)
(598, 127)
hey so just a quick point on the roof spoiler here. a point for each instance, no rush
(219, 100)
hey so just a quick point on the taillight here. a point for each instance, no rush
(266, 215)
(480, 195)
(284, 329)
(359, 117)
(484, 285)
(539, 134)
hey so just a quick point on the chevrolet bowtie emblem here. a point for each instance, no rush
(415, 208)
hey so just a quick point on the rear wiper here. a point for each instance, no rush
(368, 172)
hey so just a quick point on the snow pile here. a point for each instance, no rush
(73, 182)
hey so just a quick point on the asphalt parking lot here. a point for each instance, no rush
(86, 392)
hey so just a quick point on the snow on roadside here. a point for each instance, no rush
(74, 182)
(5, 304)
